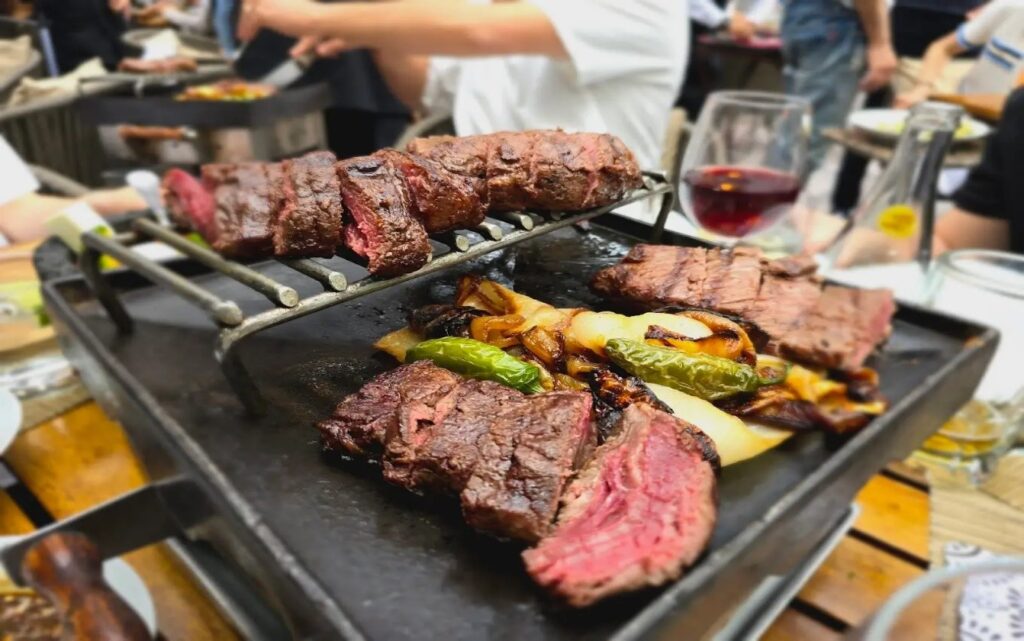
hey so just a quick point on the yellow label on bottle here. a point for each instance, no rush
(898, 221)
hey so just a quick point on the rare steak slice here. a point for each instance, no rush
(310, 219)
(841, 329)
(246, 195)
(526, 458)
(440, 199)
(637, 514)
(440, 451)
(381, 227)
(189, 203)
(361, 421)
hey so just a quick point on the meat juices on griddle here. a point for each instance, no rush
(310, 219)
(831, 326)
(636, 515)
(440, 199)
(380, 226)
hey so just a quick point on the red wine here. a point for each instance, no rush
(734, 201)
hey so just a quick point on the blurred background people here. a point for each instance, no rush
(84, 29)
(592, 65)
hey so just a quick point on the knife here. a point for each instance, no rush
(288, 71)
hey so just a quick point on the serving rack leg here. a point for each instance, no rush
(89, 263)
(667, 200)
(226, 353)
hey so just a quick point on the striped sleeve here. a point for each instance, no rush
(975, 33)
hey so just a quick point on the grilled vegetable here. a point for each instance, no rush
(702, 375)
(478, 360)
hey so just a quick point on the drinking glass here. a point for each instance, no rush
(987, 287)
(744, 166)
(975, 601)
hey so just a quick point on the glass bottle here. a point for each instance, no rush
(894, 223)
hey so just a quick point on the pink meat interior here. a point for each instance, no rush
(188, 199)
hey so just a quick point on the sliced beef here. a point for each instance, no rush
(361, 421)
(310, 219)
(440, 199)
(835, 327)
(526, 458)
(509, 175)
(381, 227)
(637, 514)
(465, 156)
(189, 203)
(246, 196)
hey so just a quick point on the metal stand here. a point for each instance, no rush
(235, 326)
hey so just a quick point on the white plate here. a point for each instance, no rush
(10, 418)
(888, 124)
(122, 579)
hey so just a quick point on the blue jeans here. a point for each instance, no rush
(224, 24)
(823, 48)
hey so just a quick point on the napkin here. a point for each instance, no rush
(33, 89)
(991, 605)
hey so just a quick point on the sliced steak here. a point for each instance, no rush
(642, 510)
(509, 176)
(526, 458)
(841, 329)
(837, 327)
(189, 203)
(247, 197)
(381, 227)
(465, 156)
(361, 421)
(310, 220)
(440, 199)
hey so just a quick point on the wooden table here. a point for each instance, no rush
(962, 155)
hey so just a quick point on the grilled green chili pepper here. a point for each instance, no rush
(702, 375)
(476, 359)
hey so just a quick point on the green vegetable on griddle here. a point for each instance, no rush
(702, 375)
(475, 359)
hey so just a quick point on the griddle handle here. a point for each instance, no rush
(66, 569)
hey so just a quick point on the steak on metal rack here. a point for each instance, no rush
(309, 221)
(826, 325)
(440, 199)
(637, 514)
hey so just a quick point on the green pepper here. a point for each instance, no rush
(702, 375)
(476, 359)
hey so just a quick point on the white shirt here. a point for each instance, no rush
(625, 66)
(999, 31)
(18, 179)
(760, 12)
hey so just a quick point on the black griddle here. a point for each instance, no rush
(340, 554)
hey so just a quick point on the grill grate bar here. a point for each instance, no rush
(330, 279)
(517, 218)
(489, 230)
(277, 293)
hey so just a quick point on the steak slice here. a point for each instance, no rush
(841, 329)
(642, 510)
(246, 195)
(509, 175)
(440, 199)
(526, 458)
(189, 203)
(310, 220)
(381, 227)
(361, 421)
(465, 156)
(649, 274)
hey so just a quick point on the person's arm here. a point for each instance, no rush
(412, 27)
(24, 218)
(936, 58)
(881, 59)
(958, 229)
(405, 75)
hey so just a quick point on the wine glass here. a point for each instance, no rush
(744, 166)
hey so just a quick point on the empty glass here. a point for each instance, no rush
(744, 166)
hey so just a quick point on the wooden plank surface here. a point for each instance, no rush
(792, 625)
(895, 513)
(81, 459)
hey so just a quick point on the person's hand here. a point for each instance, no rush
(123, 7)
(910, 98)
(741, 28)
(881, 65)
(289, 17)
(323, 47)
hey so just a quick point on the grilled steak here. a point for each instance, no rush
(246, 208)
(174, 64)
(381, 227)
(440, 199)
(189, 204)
(547, 170)
(362, 420)
(309, 223)
(525, 459)
(641, 511)
(833, 326)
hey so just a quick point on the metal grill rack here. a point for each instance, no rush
(450, 249)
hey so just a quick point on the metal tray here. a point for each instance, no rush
(341, 554)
